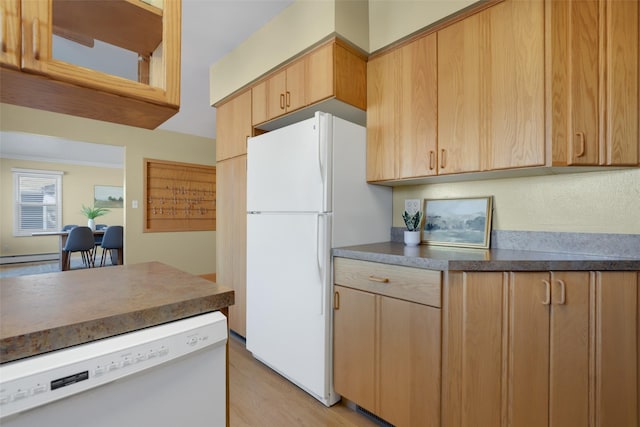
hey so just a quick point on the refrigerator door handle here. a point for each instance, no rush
(319, 259)
(320, 166)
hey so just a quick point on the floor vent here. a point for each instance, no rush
(373, 417)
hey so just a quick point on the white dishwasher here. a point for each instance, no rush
(163, 376)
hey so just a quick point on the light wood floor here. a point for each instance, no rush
(261, 397)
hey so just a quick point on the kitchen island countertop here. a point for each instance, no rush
(466, 259)
(46, 312)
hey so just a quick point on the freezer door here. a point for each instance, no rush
(287, 169)
(288, 317)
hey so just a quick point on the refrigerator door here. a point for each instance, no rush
(288, 314)
(288, 168)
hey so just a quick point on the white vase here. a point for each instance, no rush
(92, 224)
(412, 238)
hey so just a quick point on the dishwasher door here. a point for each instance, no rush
(165, 376)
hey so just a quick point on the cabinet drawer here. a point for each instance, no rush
(407, 283)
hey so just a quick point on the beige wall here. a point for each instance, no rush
(594, 202)
(391, 20)
(190, 251)
(77, 189)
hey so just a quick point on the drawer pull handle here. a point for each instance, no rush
(547, 292)
(379, 279)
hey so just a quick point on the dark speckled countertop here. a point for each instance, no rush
(463, 259)
(47, 312)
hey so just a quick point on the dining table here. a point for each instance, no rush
(117, 255)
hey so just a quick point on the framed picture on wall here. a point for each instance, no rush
(107, 196)
(457, 222)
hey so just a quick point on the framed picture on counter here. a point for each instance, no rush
(457, 222)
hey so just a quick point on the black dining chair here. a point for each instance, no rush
(98, 238)
(80, 239)
(69, 227)
(112, 240)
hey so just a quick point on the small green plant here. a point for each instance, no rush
(92, 212)
(412, 221)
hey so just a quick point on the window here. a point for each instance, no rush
(37, 200)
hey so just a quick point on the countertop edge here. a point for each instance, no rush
(544, 262)
(43, 341)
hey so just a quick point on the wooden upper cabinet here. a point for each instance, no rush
(10, 42)
(491, 89)
(383, 84)
(594, 82)
(233, 120)
(402, 112)
(459, 104)
(142, 90)
(332, 70)
(281, 93)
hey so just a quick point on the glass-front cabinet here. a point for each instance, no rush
(126, 51)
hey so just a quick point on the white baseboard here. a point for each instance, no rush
(14, 259)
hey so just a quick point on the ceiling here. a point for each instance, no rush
(210, 30)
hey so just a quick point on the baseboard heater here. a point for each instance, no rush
(16, 259)
(373, 417)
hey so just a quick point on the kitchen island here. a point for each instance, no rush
(47, 312)
(467, 337)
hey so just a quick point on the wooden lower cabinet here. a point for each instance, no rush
(231, 235)
(387, 356)
(541, 349)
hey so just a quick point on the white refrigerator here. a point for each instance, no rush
(306, 193)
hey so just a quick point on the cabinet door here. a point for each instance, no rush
(233, 126)
(295, 82)
(622, 71)
(276, 97)
(231, 231)
(528, 351)
(460, 74)
(617, 336)
(417, 114)
(383, 86)
(11, 31)
(514, 82)
(354, 345)
(319, 72)
(570, 350)
(259, 113)
(473, 346)
(409, 369)
(147, 39)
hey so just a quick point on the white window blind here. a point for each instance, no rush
(37, 200)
